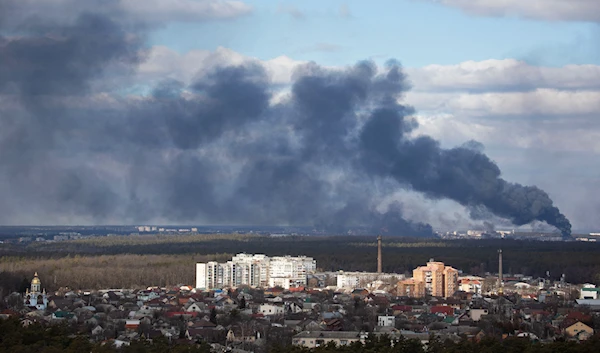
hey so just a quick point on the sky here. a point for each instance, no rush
(520, 77)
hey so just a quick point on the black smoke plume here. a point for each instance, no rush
(77, 146)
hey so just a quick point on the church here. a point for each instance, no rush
(36, 297)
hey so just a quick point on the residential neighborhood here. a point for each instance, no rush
(248, 318)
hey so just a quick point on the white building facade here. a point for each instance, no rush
(352, 280)
(36, 297)
(386, 321)
(255, 271)
(589, 291)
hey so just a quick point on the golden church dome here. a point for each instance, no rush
(35, 279)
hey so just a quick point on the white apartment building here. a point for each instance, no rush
(286, 271)
(589, 291)
(386, 321)
(255, 271)
(352, 280)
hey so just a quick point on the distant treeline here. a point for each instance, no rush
(126, 261)
(103, 271)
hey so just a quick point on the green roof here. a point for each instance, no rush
(590, 289)
(449, 319)
(64, 314)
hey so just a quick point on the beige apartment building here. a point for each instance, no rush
(411, 288)
(435, 279)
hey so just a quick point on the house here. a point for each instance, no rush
(312, 339)
(239, 334)
(450, 320)
(579, 329)
(205, 330)
(27, 321)
(386, 321)
(293, 324)
(333, 325)
(470, 285)
(7, 313)
(476, 314)
(589, 291)
(202, 323)
(575, 316)
(399, 309)
(97, 331)
(269, 309)
(60, 303)
(341, 338)
(62, 315)
(132, 325)
(359, 293)
(310, 325)
(442, 309)
(293, 307)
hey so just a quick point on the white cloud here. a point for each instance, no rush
(541, 102)
(509, 103)
(555, 136)
(503, 75)
(163, 62)
(553, 10)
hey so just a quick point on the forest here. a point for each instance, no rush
(163, 260)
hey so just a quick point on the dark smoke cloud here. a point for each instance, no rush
(76, 147)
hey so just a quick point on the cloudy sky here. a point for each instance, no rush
(520, 77)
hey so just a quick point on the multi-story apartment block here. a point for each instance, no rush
(352, 280)
(411, 288)
(434, 279)
(255, 271)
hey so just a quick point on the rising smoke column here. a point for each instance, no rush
(462, 174)
(75, 147)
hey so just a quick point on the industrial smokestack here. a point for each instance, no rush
(500, 271)
(379, 260)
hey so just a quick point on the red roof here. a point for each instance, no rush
(10, 312)
(444, 309)
(380, 300)
(579, 316)
(402, 308)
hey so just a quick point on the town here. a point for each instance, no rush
(255, 302)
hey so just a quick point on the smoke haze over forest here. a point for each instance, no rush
(83, 142)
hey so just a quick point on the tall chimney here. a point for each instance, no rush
(379, 260)
(500, 271)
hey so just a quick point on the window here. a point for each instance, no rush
(343, 342)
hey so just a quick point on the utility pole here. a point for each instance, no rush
(500, 289)
(379, 260)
